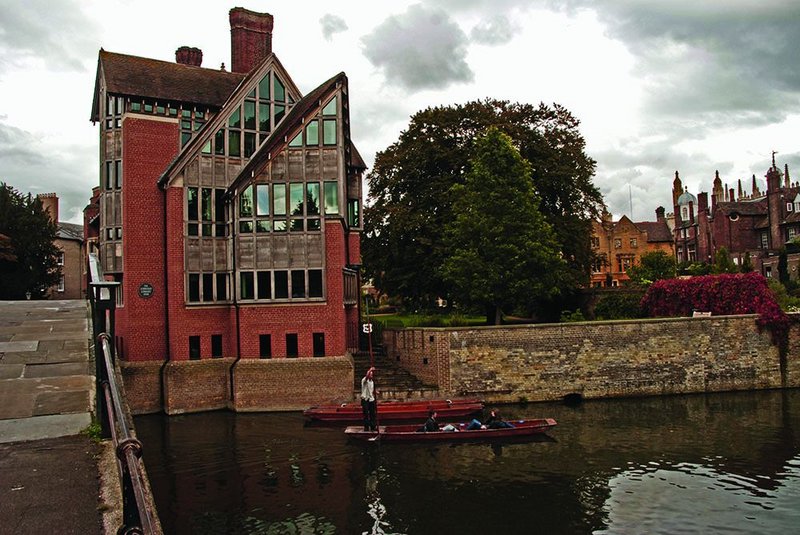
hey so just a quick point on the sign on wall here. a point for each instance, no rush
(145, 290)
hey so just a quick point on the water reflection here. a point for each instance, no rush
(711, 464)
(655, 498)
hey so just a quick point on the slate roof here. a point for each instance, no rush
(743, 208)
(152, 78)
(657, 231)
(69, 231)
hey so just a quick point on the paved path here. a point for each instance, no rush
(48, 473)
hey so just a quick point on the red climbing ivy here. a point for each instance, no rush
(725, 294)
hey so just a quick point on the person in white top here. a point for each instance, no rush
(368, 406)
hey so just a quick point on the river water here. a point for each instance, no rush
(716, 463)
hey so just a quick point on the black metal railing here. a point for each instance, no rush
(138, 513)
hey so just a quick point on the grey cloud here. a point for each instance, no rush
(496, 30)
(32, 167)
(58, 32)
(332, 24)
(419, 49)
(737, 57)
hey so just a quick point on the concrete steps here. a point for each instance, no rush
(391, 381)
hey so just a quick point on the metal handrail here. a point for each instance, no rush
(138, 514)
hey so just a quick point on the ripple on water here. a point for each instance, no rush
(694, 498)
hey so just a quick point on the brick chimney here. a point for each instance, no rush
(49, 204)
(189, 56)
(702, 202)
(660, 214)
(251, 38)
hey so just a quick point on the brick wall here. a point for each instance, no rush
(259, 385)
(197, 385)
(291, 384)
(598, 360)
(142, 385)
(149, 145)
(72, 270)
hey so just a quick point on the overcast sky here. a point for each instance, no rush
(689, 85)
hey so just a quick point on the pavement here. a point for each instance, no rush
(49, 475)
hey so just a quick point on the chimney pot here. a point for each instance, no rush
(189, 56)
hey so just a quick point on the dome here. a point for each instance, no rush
(687, 198)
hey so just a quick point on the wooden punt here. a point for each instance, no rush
(411, 433)
(396, 410)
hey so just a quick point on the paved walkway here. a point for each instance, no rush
(48, 473)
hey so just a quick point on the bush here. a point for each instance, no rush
(783, 294)
(619, 306)
(569, 316)
(746, 293)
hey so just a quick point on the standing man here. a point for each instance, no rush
(368, 406)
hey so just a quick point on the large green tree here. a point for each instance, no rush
(411, 198)
(29, 262)
(652, 266)
(502, 252)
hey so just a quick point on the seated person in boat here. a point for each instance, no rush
(431, 424)
(495, 421)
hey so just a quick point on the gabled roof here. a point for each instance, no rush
(152, 78)
(742, 208)
(69, 231)
(289, 123)
(657, 231)
(201, 136)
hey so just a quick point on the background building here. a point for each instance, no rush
(71, 260)
(619, 245)
(760, 224)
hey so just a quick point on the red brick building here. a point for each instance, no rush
(758, 224)
(229, 206)
(619, 245)
(70, 242)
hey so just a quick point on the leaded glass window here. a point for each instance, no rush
(331, 198)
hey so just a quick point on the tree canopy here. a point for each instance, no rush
(29, 257)
(723, 262)
(412, 197)
(652, 266)
(502, 252)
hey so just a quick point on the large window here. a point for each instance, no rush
(280, 207)
(331, 198)
(280, 285)
(205, 212)
(249, 124)
(207, 287)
